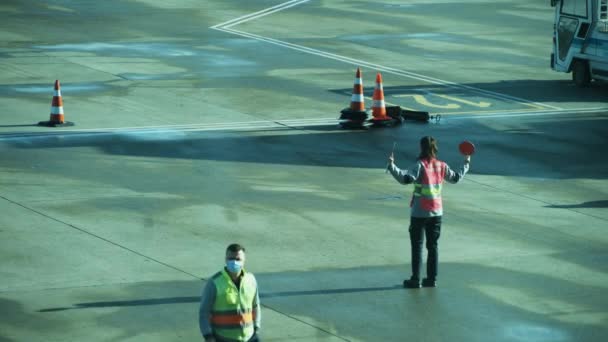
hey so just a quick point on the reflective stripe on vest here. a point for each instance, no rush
(232, 313)
(428, 191)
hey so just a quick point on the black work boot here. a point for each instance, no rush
(412, 283)
(426, 282)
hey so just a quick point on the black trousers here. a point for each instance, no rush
(419, 228)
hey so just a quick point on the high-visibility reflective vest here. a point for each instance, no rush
(232, 313)
(427, 190)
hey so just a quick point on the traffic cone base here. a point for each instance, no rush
(355, 115)
(55, 124)
(348, 124)
(385, 123)
(393, 117)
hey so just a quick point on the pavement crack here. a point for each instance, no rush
(82, 230)
(304, 322)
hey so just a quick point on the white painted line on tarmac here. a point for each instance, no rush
(226, 28)
(274, 124)
(211, 124)
(226, 127)
(385, 69)
(258, 14)
(498, 114)
(264, 14)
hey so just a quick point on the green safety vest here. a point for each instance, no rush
(232, 316)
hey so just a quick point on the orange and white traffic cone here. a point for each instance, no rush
(355, 115)
(379, 106)
(357, 101)
(57, 105)
(57, 116)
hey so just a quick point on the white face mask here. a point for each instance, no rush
(234, 266)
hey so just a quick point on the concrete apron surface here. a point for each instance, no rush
(199, 124)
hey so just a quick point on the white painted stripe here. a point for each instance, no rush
(216, 124)
(498, 115)
(316, 121)
(56, 110)
(358, 81)
(379, 86)
(286, 123)
(220, 125)
(379, 103)
(357, 98)
(57, 93)
(104, 132)
(280, 8)
(385, 69)
(253, 14)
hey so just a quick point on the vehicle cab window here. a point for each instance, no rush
(577, 8)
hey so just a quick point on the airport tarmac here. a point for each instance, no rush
(202, 123)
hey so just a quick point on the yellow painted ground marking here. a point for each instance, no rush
(423, 101)
(390, 104)
(479, 104)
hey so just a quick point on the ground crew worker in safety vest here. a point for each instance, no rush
(427, 174)
(230, 303)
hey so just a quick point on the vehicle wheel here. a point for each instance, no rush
(581, 74)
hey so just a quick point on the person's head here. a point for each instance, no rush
(428, 148)
(235, 258)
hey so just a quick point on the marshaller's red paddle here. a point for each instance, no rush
(467, 148)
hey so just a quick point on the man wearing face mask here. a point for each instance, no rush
(230, 303)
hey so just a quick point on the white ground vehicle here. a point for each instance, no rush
(580, 39)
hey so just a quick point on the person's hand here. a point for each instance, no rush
(467, 159)
(391, 159)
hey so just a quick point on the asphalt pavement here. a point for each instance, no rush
(202, 123)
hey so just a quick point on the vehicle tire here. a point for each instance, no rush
(581, 75)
